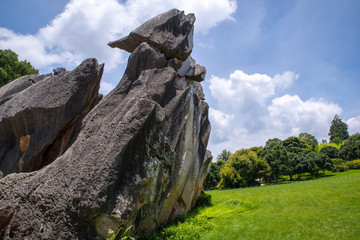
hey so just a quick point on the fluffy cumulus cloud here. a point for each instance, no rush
(354, 125)
(85, 27)
(249, 112)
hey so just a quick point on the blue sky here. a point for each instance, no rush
(274, 68)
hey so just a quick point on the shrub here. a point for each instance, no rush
(355, 164)
(340, 168)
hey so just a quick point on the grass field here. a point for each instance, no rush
(325, 208)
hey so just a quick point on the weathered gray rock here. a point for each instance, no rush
(139, 159)
(191, 70)
(170, 32)
(38, 115)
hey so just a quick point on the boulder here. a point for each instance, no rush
(38, 115)
(171, 32)
(139, 159)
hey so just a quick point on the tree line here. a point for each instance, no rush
(291, 157)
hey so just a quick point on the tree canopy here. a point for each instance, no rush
(11, 68)
(224, 155)
(338, 130)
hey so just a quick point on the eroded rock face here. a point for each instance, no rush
(139, 159)
(38, 115)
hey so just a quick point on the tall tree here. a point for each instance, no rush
(224, 155)
(277, 158)
(351, 149)
(11, 68)
(309, 140)
(338, 130)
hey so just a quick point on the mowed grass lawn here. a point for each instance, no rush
(325, 208)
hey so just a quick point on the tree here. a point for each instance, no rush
(338, 130)
(309, 140)
(11, 68)
(224, 155)
(315, 162)
(330, 151)
(248, 168)
(277, 158)
(213, 178)
(272, 143)
(296, 145)
(351, 148)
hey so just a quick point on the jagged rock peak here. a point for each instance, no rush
(171, 32)
(136, 158)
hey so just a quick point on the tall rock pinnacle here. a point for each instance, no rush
(137, 158)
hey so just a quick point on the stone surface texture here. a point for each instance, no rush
(137, 158)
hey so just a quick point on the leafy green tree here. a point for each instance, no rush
(351, 148)
(272, 143)
(309, 140)
(277, 158)
(338, 130)
(224, 155)
(316, 162)
(296, 145)
(11, 68)
(258, 150)
(248, 167)
(230, 178)
(330, 151)
(213, 178)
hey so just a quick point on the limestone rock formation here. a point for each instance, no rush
(38, 115)
(138, 157)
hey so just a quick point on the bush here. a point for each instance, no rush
(355, 164)
(340, 168)
(337, 161)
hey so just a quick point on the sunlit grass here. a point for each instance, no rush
(325, 208)
(317, 208)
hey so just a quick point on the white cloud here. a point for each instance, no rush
(235, 93)
(221, 124)
(257, 114)
(86, 26)
(291, 115)
(354, 125)
(106, 87)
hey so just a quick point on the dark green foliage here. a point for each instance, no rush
(316, 162)
(213, 177)
(272, 143)
(338, 130)
(330, 151)
(296, 145)
(309, 139)
(224, 155)
(351, 149)
(258, 150)
(277, 158)
(11, 68)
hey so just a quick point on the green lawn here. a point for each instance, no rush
(325, 208)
